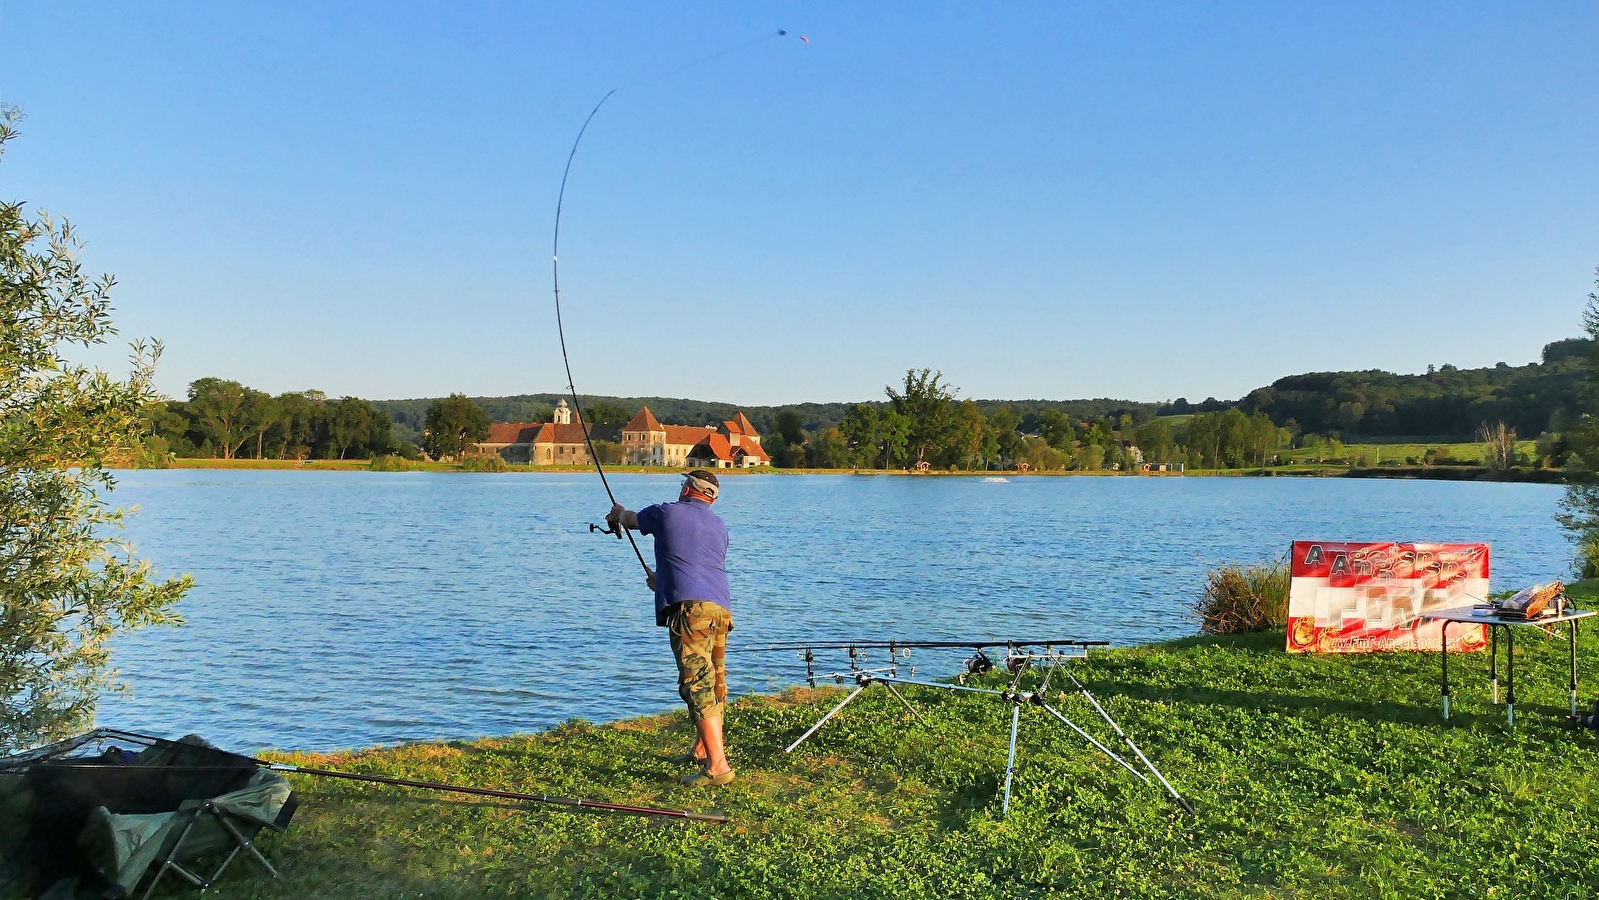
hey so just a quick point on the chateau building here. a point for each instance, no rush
(735, 444)
(558, 442)
(645, 442)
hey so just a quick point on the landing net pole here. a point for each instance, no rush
(42, 757)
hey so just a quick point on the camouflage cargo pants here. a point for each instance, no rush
(699, 643)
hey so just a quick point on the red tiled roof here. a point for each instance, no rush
(751, 449)
(715, 446)
(740, 425)
(687, 434)
(511, 432)
(644, 421)
(551, 433)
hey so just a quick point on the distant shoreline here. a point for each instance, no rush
(1421, 473)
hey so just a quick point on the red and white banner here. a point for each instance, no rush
(1361, 597)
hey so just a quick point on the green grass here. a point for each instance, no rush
(1471, 452)
(1313, 777)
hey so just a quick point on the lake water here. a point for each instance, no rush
(342, 609)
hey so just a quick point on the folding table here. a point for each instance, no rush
(1487, 615)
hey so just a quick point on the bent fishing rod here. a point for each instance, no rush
(582, 420)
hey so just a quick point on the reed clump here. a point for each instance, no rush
(1240, 599)
(483, 464)
(389, 462)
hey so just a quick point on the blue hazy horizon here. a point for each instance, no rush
(1040, 201)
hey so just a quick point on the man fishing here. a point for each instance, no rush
(693, 602)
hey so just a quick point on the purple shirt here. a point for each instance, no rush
(690, 554)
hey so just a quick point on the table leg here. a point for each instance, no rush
(1493, 662)
(1572, 629)
(1510, 676)
(1443, 649)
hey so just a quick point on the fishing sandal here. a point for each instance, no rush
(684, 759)
(705, 779)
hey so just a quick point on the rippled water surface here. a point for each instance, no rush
(340, 609)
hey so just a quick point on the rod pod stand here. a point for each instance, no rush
(1187, 807)
(1017, 699)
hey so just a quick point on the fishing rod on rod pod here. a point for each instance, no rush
(1017, 653)
(1052, 660)
(892, 644)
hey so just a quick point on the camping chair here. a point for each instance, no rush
(124, 847)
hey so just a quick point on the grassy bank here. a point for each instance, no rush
(1313, 777)
(1396, 461)
(362, 465)
(348, 465)
(1407, 453)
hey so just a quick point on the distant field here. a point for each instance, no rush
(1469, 452)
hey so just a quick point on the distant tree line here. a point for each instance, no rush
(227, 420)
(924, 424)
(922, 421)
(408, 415)
(1444, 404)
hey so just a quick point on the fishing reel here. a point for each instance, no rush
(979, 663)
(612, 528)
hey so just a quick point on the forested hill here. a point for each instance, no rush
(1447, 403)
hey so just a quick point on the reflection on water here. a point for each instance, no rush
(339, 609)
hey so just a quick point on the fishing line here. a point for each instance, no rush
(555, 270)
(780, 33)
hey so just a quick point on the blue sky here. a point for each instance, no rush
(1041, 200)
